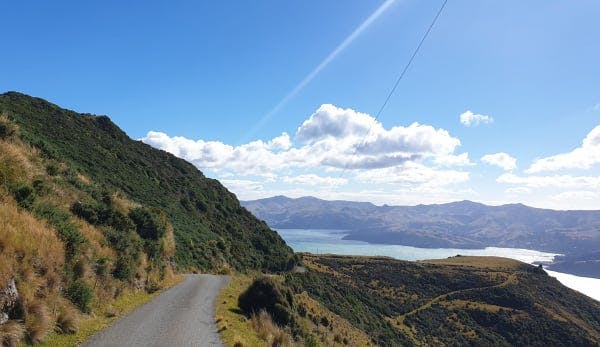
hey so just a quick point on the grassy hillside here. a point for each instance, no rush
(71, 251)
(212, 231)
(458, 301)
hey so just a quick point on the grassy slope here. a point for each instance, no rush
(238, 330)
(212, 230)
(70, 277)
(465, 301)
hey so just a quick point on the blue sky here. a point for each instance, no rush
(196, 78)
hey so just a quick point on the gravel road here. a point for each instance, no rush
(181, 316)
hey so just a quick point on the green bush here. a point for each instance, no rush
(125, 268)
(64, 225)
(7, 128)
(128, 246)
(87, 210)
(148, 223)
(24, 194)
(265, 293)
(80, 293)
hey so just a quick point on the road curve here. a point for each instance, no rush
(181, 316)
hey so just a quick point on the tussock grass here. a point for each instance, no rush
(269, 331)
(11, 333)
(52, 255)
(68, 319)
(38, 321)
(30, 249)
(15, 164)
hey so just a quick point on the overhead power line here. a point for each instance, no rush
(399, 79)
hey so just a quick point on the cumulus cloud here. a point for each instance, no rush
(583, 157)
(501, 160)
(406, 162)
(469, 118)
(331, 138)
(556, 181)
(345, 138)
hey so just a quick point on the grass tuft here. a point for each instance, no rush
(67, 321)
(11, 333)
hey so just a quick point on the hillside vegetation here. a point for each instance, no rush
(69, 247)
(359, 301)
(212, 230)
(92, 223)
(459, 301)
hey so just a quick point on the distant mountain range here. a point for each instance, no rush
(462, 224)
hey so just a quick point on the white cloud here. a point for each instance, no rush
(242, 185)
(576, 195)
(414, 174)
(344, 138)
(315, 180)
(583, 157)
(556, 181)
(453, 160)
(469, 118)
(501, 160)
(517, 190)
(331, 138)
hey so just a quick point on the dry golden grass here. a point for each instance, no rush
(67, 320)
(122, 204)
(168, 242)
(30, 249)
(267, 330)
(15, 164)
(11, 333)
(33, 256)
(38, 321)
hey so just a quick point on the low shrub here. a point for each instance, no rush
(80, 293)
(24, 194)
(266, 294)
(7, 128)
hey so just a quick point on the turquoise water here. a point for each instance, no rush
(330, 241)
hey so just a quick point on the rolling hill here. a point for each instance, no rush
(465, 301)
(462, 224)
(211, 227)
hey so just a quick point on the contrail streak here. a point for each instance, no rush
(347, 41)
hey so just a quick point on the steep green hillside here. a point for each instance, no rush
(73, 254)
(465, 301)
(212, 230)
